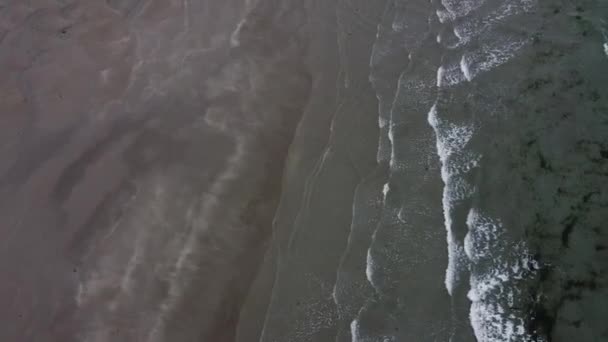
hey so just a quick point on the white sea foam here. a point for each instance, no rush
(234, 37)
(454, 190)
(443, 16)
(354, 331)
(379, 53)
(356, 335)
(456, 262)
(369, 268)
(384, 149)
(606, 49)
(391, 138)
(482, 237)
(450, 75)
(490, 55)
(461, 8)
(490, 315)
(457, 189)
(495, 264)
(370, 264)
(349, 242)
(465, 69)
(400, 23)
(382, 122)
(466, 30)
(493, 284)
(461, 163)
(451, 140)
(385, 190)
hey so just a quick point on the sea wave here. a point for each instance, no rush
(493, 264)
(498, 265)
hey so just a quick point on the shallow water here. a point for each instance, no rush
(465, 91)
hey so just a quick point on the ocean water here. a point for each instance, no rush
(463, 230)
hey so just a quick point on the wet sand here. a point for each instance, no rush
(142, 153)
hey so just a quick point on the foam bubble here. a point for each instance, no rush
(454, 190)
(461, 163)
(458, 189)
(483, 236)
(489, 56)
(461, 8)
(234, 37)
(465, 68)
(382, 122)
(450, 75)
(354, 331)
(456, 262)
(466, 30)
(451, 140)
(491, 319)
(369, 267)
(385, 190)
(391, 138)
(444, 16)
(493, 287)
